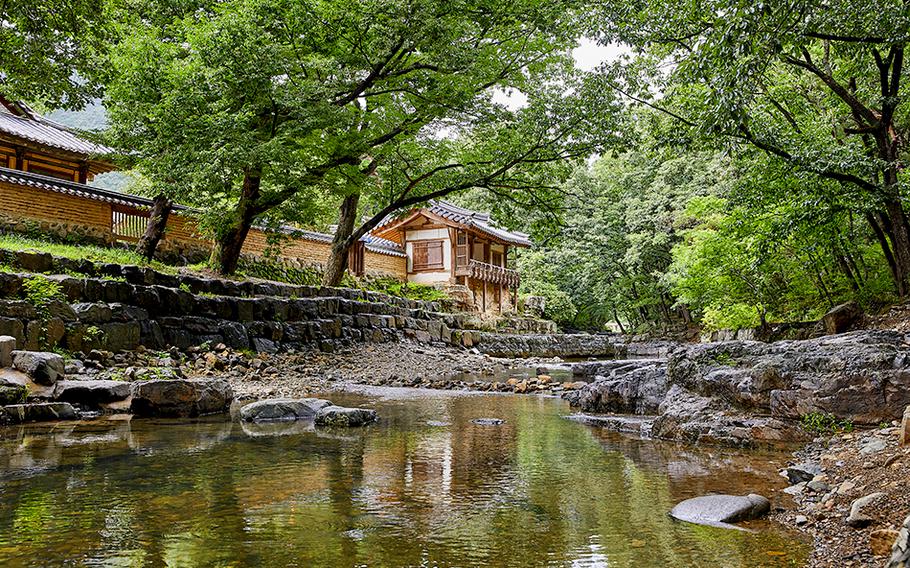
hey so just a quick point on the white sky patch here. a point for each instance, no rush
(589, 54)
(512, 99)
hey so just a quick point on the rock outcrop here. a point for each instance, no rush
(181, 398)
(746, 392)
(635, 386)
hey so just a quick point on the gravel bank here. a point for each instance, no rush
(853, 465)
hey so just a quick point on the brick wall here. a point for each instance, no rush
(64, 214)
(32, 203)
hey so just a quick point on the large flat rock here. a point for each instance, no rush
(93, 393)
(282, 409)
(720, 510)
(181, 398)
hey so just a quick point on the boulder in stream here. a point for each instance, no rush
(40, 412)
(181, 398)
(720, 510)
(343, 416)
(282, 409)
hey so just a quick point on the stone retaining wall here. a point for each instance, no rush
(551, 345)
(118, 315)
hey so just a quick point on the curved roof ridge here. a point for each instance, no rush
(40, 130)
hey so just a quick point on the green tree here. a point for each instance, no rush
(814, 84)
(52, 51)
(254, 104)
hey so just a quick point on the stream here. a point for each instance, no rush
(424, 487)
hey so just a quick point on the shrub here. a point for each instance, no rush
(41, 292)
(409, 290)
(825, 423)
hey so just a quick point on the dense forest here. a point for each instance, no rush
(733, 163)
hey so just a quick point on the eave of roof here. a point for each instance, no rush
(462, 217)
(34, 128)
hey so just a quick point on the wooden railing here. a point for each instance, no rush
(489, 273)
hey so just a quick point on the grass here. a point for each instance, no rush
(94, 253)
(264, 269)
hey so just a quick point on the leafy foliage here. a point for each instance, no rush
(409, 290)
(52, 51)
(42, 292)
(825, 423)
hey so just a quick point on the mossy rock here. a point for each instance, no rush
(12, 394)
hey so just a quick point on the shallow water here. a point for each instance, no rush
(424, 487)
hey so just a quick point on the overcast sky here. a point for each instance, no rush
(588, 55)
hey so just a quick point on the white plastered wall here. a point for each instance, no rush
(442, 275)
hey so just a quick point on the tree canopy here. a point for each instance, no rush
(52, 51)
(251, 105)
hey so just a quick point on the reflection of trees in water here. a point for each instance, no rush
(537, 490)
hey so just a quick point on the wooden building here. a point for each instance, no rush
(45, 170)
(31, 143)
(450, 245)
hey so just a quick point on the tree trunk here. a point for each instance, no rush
(885, 246)
(900, 244)
(341, 243)
(154, 230)
(229, 244)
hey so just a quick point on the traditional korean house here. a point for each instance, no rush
(45, 170)
(451, 246)
(31, 143)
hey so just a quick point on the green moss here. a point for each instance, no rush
(724, 359)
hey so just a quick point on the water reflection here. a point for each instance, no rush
(424, 487)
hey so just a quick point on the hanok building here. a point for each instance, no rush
(31, 143)
(450, 245)
(45, 168)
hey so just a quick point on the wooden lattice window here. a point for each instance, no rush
(355, 258)
(128, 224)
(496, 258)
(427, 255)
(461, 249)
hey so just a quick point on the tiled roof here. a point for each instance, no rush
(477, 220)
(370, 242)
(48, 183)
(384, 246)
(29, 179)
(35, 128)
